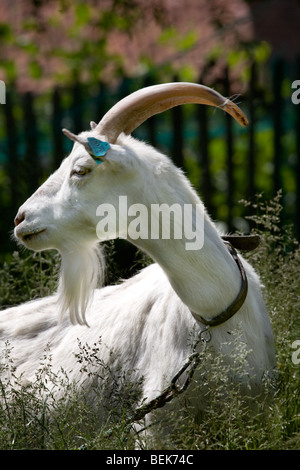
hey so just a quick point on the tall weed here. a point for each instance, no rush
(31, 418)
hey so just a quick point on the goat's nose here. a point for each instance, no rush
(19, 218)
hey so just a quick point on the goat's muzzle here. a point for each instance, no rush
(20, 217)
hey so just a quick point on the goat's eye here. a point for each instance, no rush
(79, 172)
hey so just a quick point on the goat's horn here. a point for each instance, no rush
(129, 113)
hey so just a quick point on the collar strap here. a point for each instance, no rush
(243, 242)
(239, 300)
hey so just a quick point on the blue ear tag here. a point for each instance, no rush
(98, 147)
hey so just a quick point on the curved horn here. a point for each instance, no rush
(129, 113)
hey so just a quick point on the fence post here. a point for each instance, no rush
(100, 102)
(177, 128)
(77, 108)
(32, 166)
(12, 163)
(151, 123)
(251, 154)
(297, 214)
(229, 151)
(56, 128)
(205, 185)
(277, 114)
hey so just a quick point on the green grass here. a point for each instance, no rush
(32, 419)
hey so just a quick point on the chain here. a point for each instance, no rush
(173, 390)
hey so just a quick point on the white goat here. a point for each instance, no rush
(147, 320)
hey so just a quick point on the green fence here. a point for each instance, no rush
(225, 163)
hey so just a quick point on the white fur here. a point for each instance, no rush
(146, 320)
(151, 344)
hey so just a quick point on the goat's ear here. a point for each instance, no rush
(118, 157)
(102, 151)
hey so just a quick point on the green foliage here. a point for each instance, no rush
(27, 276)
(84, 29)
(30, 418)
(231, 422)
(170, 36)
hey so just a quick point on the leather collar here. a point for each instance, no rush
(239, 300)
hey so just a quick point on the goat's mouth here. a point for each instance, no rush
(28, 237)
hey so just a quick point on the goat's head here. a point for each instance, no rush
(61, 214)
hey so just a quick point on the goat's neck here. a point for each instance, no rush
(207, 280)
